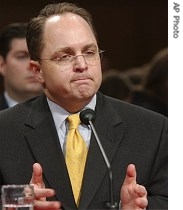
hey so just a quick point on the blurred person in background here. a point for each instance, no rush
(115, 85)
(18, 80)
(154, 95)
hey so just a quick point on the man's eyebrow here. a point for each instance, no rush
(64, 49)
(93, 46)
(22, 52)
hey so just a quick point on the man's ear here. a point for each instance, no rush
(2, 65)
(35, 67)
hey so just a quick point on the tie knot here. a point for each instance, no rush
(74, 121)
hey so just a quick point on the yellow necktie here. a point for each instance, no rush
(76, 152)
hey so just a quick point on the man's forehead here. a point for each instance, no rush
(19, 44)
(53, 19)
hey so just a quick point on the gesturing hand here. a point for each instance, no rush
(133, 196)
(41, 193)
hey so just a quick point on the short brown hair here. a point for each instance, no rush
(10, 32)
(36, 25)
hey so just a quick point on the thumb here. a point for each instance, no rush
(130, 175)
(37, 178)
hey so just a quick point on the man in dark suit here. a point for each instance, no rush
(19, 83)
(65, 59)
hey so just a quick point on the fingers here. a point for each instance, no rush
(41, 194)
(130, 175)
(141, 200)
(40, 202)
(140, 190)
(37, 178)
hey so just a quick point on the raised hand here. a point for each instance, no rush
(41, 193)
(133, 196)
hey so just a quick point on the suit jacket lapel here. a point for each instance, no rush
(44, 144)
(110, 129)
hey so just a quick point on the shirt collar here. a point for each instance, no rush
(11, 102)
(59, 114)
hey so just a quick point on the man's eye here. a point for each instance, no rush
(60, 58)
(22, 57)
(90, 53)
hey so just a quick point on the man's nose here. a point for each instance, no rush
(80, 62)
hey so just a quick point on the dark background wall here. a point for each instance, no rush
(130, 31)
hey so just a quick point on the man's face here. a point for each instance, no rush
(69, 35)
(18, 79)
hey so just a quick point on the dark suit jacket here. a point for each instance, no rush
(129, 134)
(3, 102)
